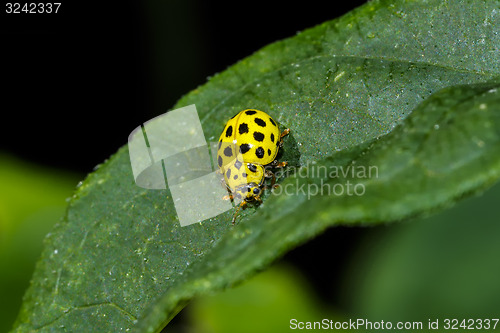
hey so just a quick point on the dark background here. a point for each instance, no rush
(76, 83)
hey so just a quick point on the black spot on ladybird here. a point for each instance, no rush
(260, 122)
(244, 175)
(269, 152)
(228, 151)
(219, 161)
(250, 112)
(272, 121)
(235, 177)
(259, 152)
(248, 189)
(220, 144)
(244, 148)
(272, 137)
(243, 128)
(229, 131)
(252, 167)
(228, 173)
(238, 164)
(258, 136)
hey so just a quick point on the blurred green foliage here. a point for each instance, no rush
(32, 199)
(265, 304)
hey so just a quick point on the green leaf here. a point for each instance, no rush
(119, 259)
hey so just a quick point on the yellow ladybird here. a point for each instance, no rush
(248, 146)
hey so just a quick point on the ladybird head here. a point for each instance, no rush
(247, 192)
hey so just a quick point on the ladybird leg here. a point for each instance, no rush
(272, 186)
(280, 164)
(270, 174)
(277, 164)
(283, 134)
(230, 195)
(242, 205)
